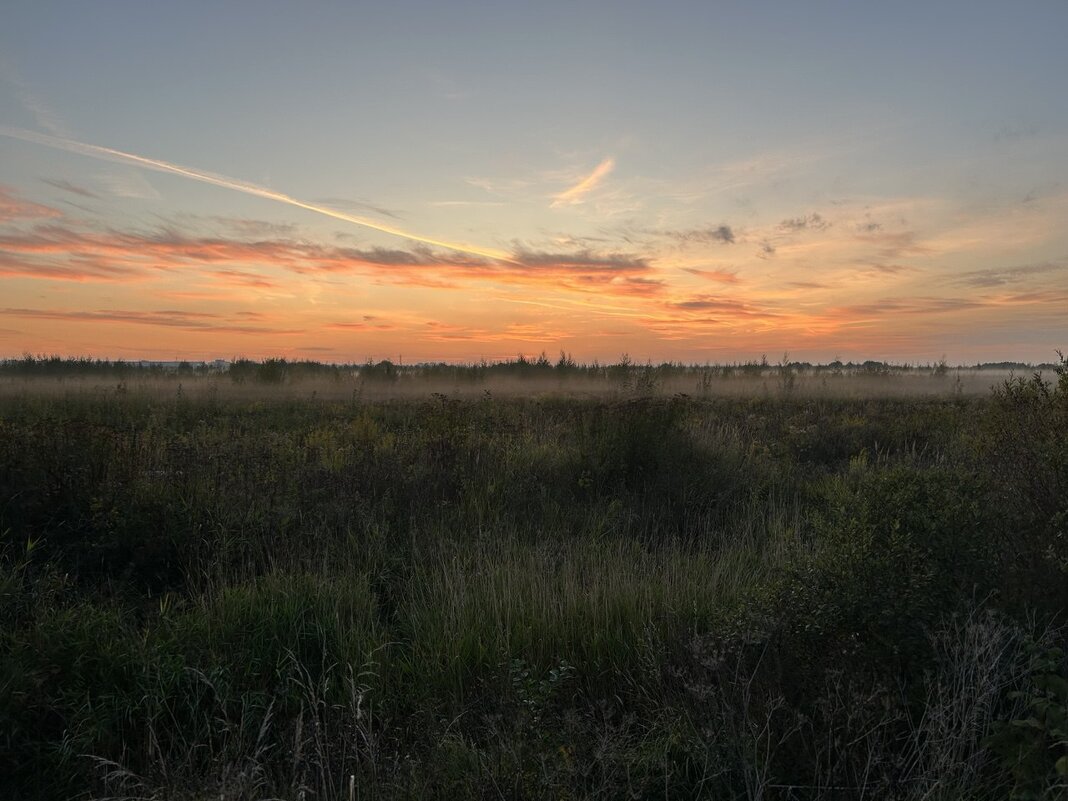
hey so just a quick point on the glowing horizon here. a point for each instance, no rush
(751, 186)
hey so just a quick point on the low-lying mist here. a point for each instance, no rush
(279, 379)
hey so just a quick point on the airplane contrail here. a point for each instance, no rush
(109, 154)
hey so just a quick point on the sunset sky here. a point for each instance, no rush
(694, 181)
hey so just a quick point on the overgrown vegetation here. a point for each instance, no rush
(632, 595)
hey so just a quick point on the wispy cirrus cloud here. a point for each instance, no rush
(13, 265)
(243, 227)
(909, 306)
(13, 207)
(512, 332)
(578, 191)
(712, 303)
(718, 276)
(369, 322)
(1002, 276)
(129, 184)
(167, 318)
(74, 189)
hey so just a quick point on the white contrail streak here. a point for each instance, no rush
(108, 154)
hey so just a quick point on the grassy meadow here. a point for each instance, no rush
(533, 581)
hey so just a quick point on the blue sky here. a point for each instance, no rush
(686, 180)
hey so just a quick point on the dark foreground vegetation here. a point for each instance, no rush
(773, 597)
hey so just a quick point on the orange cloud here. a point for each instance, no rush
(13, 208)
(168, 318)
(513, 332)
(62, 253)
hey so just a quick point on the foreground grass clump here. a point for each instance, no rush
(782, 596)
(603, 607)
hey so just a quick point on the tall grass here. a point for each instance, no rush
(603, 607)
(780, 596)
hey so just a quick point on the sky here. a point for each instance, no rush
(424, 181)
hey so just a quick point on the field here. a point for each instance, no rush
(536, 581)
